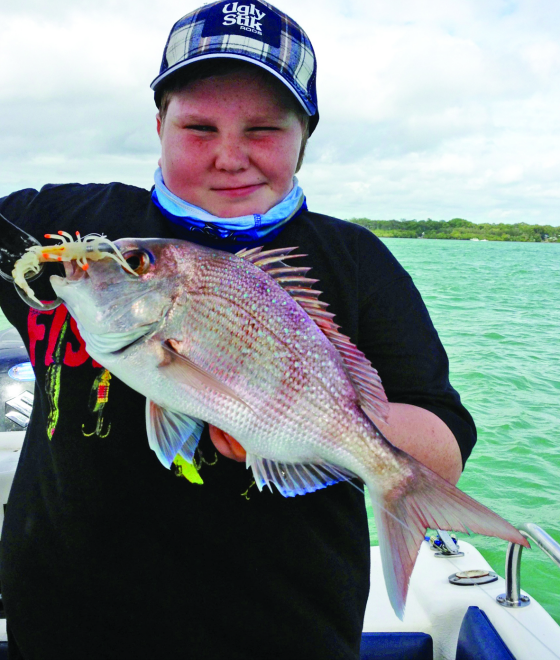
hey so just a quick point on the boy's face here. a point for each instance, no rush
(228, 144)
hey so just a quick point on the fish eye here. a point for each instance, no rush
(137, 260)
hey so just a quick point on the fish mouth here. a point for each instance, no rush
(72, 271)
(66, 279)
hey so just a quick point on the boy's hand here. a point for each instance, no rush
(226, 445)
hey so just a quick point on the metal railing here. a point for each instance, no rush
(513, 596)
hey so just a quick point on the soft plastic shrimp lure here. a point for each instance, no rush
(93, 247)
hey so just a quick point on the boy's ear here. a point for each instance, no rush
(159, 124)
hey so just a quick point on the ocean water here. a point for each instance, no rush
(496, 307)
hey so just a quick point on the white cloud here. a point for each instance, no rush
(429, 108)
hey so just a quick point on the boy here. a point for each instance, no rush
(104, 552)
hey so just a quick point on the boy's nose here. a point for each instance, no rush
(231, 155)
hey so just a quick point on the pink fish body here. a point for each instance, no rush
(242, 342)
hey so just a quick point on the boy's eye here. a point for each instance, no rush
(264, 128)
(201, 127)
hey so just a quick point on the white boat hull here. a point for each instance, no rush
(437, 607)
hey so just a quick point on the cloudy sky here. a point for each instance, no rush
(429, 108)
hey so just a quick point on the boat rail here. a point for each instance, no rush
(513, 596)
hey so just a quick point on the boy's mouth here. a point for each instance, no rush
(238, 191)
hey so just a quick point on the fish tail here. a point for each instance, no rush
(425, 501)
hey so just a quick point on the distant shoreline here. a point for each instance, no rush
(460, 230)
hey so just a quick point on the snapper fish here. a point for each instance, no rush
(241, 341)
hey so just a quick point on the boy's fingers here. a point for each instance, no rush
(226, 444)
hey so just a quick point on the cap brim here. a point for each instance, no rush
(309, 108)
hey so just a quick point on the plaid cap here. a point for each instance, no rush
(256, 32)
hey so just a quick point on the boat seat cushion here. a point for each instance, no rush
(396, 646)
(479, 640)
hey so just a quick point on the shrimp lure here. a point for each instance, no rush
(93, 247)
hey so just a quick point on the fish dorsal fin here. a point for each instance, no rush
(365, 378)
(293, 280)
(293, 479)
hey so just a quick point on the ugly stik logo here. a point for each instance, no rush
(247, 17)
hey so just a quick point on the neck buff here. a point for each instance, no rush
(197, 225)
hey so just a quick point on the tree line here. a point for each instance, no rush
(459, 229)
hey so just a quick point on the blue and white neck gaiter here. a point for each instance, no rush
(195, 224)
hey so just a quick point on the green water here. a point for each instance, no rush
(496, 307)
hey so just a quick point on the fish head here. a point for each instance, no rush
(115, 306)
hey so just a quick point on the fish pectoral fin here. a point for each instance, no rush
(293, 479)
(186, 371)
(171, 433)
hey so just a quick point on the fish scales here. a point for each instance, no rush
(206, 335)
(293, 358)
